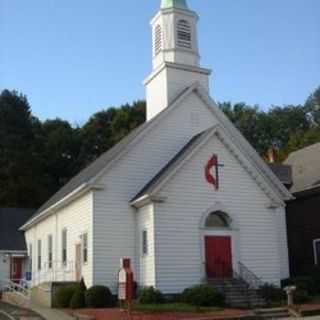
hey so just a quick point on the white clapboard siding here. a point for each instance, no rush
(145, 263)
(178, 241)
(114, 219)
(77, 219)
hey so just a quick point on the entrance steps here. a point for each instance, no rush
(237, 293)
(273, 313)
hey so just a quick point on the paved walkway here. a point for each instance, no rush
(10, 312)
(50, 314)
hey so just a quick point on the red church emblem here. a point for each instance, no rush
(213, 178)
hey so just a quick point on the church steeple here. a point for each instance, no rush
(176, 59)
(181, 4)
(174, 31)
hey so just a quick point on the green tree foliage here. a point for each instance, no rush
(37, 158)
(20, 171)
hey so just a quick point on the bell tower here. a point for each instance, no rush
(175, 54)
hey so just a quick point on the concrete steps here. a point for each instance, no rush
(237, 293)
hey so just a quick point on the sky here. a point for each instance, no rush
(75, 57)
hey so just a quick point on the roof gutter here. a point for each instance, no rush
(84, 188)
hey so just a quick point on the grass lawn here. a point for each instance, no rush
(173, 307)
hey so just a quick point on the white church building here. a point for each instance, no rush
(184, 196)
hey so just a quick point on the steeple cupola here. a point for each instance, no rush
(175, 53)
(180, 4)
(174, 31)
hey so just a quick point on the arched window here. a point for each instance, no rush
(184, 34)
(217, 219)
(157, 39)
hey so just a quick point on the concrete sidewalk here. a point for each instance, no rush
(50, 314)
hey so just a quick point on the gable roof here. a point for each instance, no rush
(11, 239)
(88, 176)
(153, 183)
(305, 165)
(149, 191)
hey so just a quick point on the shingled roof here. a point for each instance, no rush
(149, 187)
(11, 239)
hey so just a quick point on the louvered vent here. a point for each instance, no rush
(157, 39)
(184, 34)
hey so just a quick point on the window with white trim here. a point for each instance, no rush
(64, 246)
(184, 34)
(30, 258)
(316, 251)
(39, 254)
(157, 39)
(84, 241)
(144, 242)
(50, 251)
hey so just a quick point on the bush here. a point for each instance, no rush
(78, 299)
(301, 296)
(270, 293)
(64, 295)
(203, 296)
(150, 295)
(98, 297)
(302, 283)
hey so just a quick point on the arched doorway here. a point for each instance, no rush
(218, 245)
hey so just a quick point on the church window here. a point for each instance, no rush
(144, 242)
(30, 258)
(157, 39)
(39, 254)
(64, 246)
(50, 251)
(184, 34)
(217, 219)
(85, 248)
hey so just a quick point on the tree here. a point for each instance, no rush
(313, 106)
(19, 170)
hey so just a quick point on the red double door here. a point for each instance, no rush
(218, 257)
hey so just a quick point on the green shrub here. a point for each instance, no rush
(270, 293)
(315, 278)
(302, 283)
(98, 297)
(150, 295)
(78, 299)
(203, 296)
(82, 285)
(301, 296)
(64, 295)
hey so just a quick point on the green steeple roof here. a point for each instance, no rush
(181, 4)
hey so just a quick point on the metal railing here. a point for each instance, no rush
(53, 271)
(243, 273)
(253, 281)
(19, 287)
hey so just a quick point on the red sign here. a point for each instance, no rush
(126, 281)
(213, 166)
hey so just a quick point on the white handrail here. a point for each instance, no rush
(19, 288)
